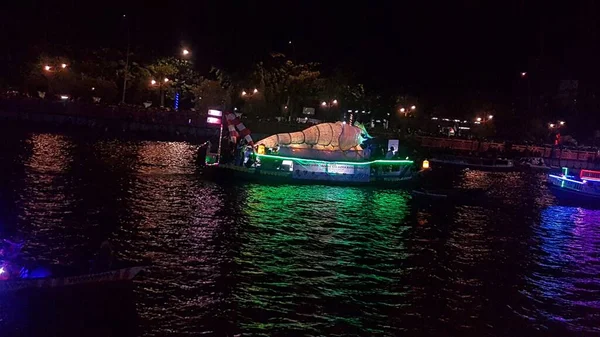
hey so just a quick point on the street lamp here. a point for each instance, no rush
(402, 110)
(478, 119)
(47, 68)
(64, 65)
(255, 91)
(551, 125)
(244, 93)
(161, 92)
(334, 101)
(185, 52)
(561, 123)
(413, 107)
(523, 74)
(490, 116)
(323, 103)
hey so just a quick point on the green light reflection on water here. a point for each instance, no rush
(311, 250)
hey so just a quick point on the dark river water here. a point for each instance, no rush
(251, 260)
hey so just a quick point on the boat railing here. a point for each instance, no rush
(590, 175)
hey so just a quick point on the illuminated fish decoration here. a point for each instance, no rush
(326, 136)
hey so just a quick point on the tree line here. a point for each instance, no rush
(275, 86)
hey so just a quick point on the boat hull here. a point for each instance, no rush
(124, 274)
(574, 192)
(224, 172)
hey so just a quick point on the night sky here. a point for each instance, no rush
(420, 47)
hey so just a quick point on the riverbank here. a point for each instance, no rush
(164, 124)
(118, 121)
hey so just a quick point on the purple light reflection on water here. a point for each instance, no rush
(565, 269)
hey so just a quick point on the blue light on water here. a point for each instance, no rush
(39, 272)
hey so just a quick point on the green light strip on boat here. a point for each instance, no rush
(380, 161)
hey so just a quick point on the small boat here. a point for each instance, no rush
(455, 194)
(582, 189)
(124, 274)
(533, 164)
(428, 194)
(473, 163)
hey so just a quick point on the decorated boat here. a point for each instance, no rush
(322, 153)
(124, 274)
(584, 187)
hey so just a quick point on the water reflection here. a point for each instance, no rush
(563, 285)
(247, 259)
(310, 262)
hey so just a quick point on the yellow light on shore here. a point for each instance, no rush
(47, 68)
(323, 103)
(255, 90)
(335, 101)
(413, 107)
(166, 80)
(185, 52)
(64, 65)
(425, 164)
(402, 110)
(244, 93)
(153, 82)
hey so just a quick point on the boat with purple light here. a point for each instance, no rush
(15, 276)
(124, 274)
(584, 187)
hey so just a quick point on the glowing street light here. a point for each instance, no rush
(153, 82)
(523, 74)
(323, 103)
(490, 116)
(185, 52)
(244, 93)
(47, 68)
(478, 119)
(255, 91)
(166, 80)
(413, 107)
(335, 101)
(402, 110)
(64, 65)
(551, 125)
(561, 123)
